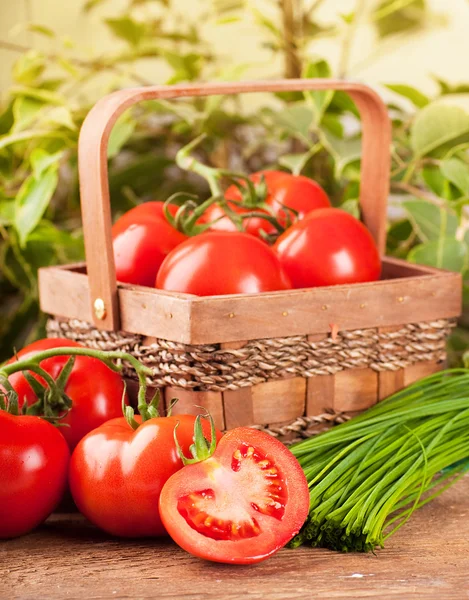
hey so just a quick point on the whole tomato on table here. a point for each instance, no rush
(280, 191)
(95, 390)
(240, 505)
(34, 459)
(117, 472)
(328, 247)
(222, 262)
(142, 238)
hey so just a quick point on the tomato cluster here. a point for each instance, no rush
(238, 499)
(319, 245)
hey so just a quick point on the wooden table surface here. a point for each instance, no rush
(68, 558)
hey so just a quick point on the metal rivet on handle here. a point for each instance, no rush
(99, 309)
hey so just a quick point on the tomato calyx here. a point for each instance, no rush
(253, 196)
(53, 403)
(202, 448)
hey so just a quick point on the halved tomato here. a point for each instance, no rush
(240, 505)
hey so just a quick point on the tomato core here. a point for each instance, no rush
(210, 511)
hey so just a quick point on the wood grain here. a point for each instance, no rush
(189, 319)
(67, 558)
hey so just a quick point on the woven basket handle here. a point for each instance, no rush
(93, 169)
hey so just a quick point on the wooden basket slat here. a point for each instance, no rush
(189, 319)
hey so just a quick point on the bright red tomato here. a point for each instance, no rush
(142, 238)
(117, 473)
(328, 247)
(222, 262)
(34, 461)
(95, 390)
(283, 190)
(239, 506)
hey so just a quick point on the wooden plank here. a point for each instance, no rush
(217, 319)
(319, 389)
(427, 559)
(143, 310)
(189, 402)
(278, 400)
(237, 404)
(238, 407)
(301, 312)
(355, 389)
(390, 382)
(419, 370)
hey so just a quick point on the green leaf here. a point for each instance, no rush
(397, 16)
(44, 95)
(22, 136)
(352, 206)
(29, 67)
(457, 172)
(120, 134)
(90, 4)
(297, 119)
(318, 101)
(186, 66)
(25, 111)
(127, 29)
(345, 151)
(294, 162)
(61, 116)
(445, 253)
(407, 91)
(32, 201)
(431, 222)
(434, 179)
(41, 29)
(7, 211)
(41, 160)
(435, 125)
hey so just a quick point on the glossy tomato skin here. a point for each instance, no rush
(297, 192)
(142, 238)
(222, 262)
(239, 506)
(328, 247)
(34, 461)
(116, 473)
(96, 391)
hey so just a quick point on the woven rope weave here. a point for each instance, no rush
(212, 368)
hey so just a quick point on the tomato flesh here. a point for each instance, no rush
(242, 504)
(206, 511)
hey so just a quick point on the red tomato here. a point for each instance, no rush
(329, 247)
(34, 461)
(95, 390)
(284, 190)
(117, 473)
(239, 506)
(222, 262)
(142, 238)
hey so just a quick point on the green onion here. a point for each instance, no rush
(367, 476)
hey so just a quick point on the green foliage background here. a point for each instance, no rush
(317, 134)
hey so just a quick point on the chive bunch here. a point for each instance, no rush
(368, 475)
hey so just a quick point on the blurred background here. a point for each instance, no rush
(58, 57)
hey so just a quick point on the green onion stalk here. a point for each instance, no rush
(367, 476)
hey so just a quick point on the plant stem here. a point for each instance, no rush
(289, 12)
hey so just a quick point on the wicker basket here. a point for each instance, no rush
(281, 359)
